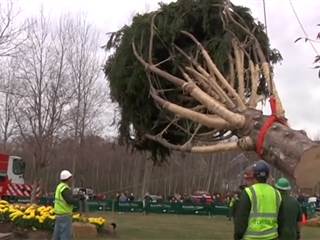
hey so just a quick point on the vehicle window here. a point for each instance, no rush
(2, 177)
(18, 166)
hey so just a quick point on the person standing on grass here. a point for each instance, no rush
(290, 213)
(63, 207)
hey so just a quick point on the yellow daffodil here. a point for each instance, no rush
(15, 214)
(97, 221)
(27, 217)
(76, 216)
(3, 202)
(40, 209)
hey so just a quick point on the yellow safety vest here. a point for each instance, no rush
(263, 219)
(232, 202)
(61, 207)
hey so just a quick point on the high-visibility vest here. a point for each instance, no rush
(232, 202)
(61, 207)
(265, 204)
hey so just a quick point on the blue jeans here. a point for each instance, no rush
(63, 228)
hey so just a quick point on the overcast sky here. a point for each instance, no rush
(295, 78)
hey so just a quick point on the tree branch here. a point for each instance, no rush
(195, 149)
(151, 37)
(204, 85)
(254, 71)
(208, 121)
(214, 86)
(232, 72)
(279, 108)
(239, 67)
(173, 121)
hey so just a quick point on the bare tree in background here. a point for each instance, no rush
(8, 100)
(83, 60)
(12, 35)
(43, 78)
(12, 32)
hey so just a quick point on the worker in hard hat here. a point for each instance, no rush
(258, 207)
(63, 207)
(290, 213)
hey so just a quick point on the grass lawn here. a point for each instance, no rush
(165, 226)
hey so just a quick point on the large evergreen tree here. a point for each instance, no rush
(189, 77)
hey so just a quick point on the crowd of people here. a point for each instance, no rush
(124, 197)
(198, 197)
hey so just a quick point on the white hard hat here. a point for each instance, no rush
(65, 174)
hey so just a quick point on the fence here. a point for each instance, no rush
(156, 207)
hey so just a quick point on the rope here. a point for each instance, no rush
(267, 124)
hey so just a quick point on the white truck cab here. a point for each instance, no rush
(16, 168)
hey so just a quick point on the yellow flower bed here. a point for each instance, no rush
(38, 217)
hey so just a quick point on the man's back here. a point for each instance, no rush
(290, 214)
(249, 217)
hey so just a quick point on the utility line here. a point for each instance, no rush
(302, 28)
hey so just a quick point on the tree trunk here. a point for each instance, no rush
(34, 179)
(289, 150)
(136, 177)
(210, 173)
(145, 180)
(34, 191)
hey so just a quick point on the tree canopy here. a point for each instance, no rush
(162, 36)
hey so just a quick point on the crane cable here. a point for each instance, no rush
(265, 16)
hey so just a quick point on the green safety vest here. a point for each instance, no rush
(232, 202)
(263, 219)
(61, 207)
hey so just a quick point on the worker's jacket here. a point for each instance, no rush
(265, 203)
(61, 207)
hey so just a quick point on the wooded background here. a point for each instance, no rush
(108, 168)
